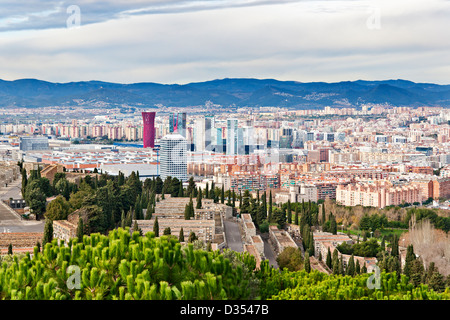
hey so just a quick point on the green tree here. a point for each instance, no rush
(323, 214)
(351, 266)
(410, 257)
(222, 195)
(416, 272)
(245, 208)
(48, 232)
(192, 237)
(156, 227)
(307, 263)
(187, 212)
(80, 230)
(333, 225)
(199, 198)
(328, 260)
(36, 200)
(10, 249)
(181, 235)
(191, 187)
(437, 282)
(364, 268)
(341, 266)
(58, 209)
(291, 259)
(167, 231)
(357, 267)
(150, 211)
(394, 246)
(289, 212)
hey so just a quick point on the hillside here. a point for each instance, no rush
(226, 92)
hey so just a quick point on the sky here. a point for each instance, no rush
(173, 41)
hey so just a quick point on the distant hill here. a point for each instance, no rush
(239, 92)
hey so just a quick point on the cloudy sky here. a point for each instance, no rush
(176, 41)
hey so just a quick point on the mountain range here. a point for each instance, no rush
(238, 92)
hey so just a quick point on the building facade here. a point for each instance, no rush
(173, 157)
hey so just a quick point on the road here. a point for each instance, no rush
(233, 235)
(10, 222)
(268, 252)
(13, 190)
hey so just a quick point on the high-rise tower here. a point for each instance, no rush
(149, 129)
(173, 157)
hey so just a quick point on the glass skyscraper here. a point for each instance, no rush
(173, 157)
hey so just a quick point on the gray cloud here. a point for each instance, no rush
(136, 41)
(33, 15)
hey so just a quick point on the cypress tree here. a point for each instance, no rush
(333, 225)
(270, 207)
(191, 208)
(264, 203)
(395, 251)
(307, 263)
(149, 212)
(212, 194)
(296, 215)
(207, 191)
(341, 266)
(410, 257)
(199, 198)
(80, 230)
(10, 249)
(240, 199)
(222, 195)
(156, 227)
(181, 235)
(351, 266)
(180, 190)
(233, 204)
(187, 212)
(336, 266)
(311, 244)
(192, 237)
(357, 267)
(328, 259)
(323, 214)
(364, 268)
(289, 212)
(48, 232)
(137, 208)
(335, 258)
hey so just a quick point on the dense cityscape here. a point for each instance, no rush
(337, 191)
(224, 158)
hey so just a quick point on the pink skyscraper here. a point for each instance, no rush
(149, 129)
